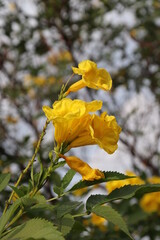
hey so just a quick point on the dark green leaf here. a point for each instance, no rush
(65, 207)
(68, 178)
(58, 190)
(136, 216)
(66, 224)
(109, 176)
(4, 179)
(112, 216)
(125, 192)
(8, 214)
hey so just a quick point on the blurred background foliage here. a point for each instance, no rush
(39, 42)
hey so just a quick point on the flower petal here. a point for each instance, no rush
(48, 112)
(70, 118)
(76, 86)
(105, 132)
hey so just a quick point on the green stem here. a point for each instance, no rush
(80, 215)
(55, 198)
(28, 166)
(18, 215)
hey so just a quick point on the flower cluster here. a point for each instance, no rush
(77, 124)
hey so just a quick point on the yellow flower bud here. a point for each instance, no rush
(83, 168)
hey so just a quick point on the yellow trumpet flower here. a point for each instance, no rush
(102, 130)
(92, 77)
(70, 117)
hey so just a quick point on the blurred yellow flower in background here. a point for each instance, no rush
(112, 185)
(80, 192)
(51, 80)
(83, 168)
(11, 120)
(39, 81)
(150, 202)
(154, 180)
(12, 6)
(62, 55)
(92, 77)
(99, 222)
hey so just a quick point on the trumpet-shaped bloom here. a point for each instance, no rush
(102, 130)
(92, 77)
(83, 168)
(70, 117)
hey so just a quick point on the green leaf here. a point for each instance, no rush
(40, 198)
(59, 164)
(34, 229)
(66, 207)
(77, 229)
(58, 190)
(112, 216)
(137, 216)
(8, 214)
(125, 192)
(42, 206)
(68, 178)
(66, 224)
(18, 191)
(4, 179)
(109, 176)
(28, 201)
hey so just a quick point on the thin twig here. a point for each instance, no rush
(28, 166)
